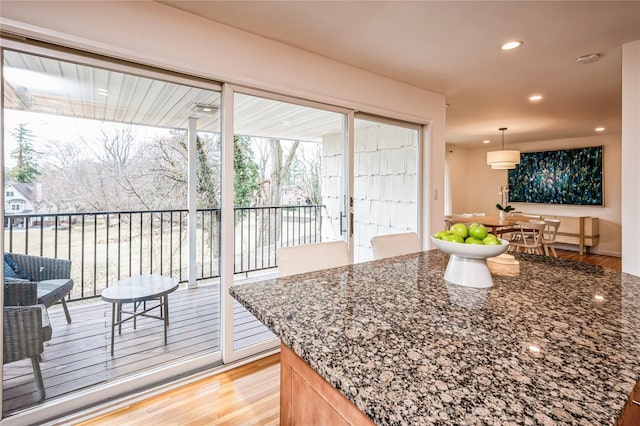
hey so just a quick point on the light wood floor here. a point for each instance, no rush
(248, 395)
(595, 259)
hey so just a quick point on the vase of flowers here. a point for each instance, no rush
(504, 198)
(504, 211)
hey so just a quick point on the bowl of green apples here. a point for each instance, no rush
(469, 246)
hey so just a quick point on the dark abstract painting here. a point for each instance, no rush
(568, 176)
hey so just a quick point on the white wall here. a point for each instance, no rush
(457, 178)
(476, 186)
(631, 157)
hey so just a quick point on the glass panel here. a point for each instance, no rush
(385, 183)
(96, 174)
(291, 190)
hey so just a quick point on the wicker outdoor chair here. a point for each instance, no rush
(52, 275)
(25, 327)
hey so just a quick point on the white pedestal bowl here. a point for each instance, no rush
(468, 262)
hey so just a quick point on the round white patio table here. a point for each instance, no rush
(139, 290)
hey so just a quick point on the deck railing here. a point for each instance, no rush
(107, 246)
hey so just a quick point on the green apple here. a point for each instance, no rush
(479, 231)
(460, 229)
(454, 238)
(442, 234)
(491, 240)
(473, 240)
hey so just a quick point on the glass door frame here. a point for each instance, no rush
(420, 160)
(229, 353)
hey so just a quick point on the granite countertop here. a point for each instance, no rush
(552, 342)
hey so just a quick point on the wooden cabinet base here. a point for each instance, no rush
(308, 399)
(630, 415)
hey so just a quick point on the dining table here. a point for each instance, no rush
(391, 342)
(494, 223)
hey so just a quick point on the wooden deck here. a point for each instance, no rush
(78, 355)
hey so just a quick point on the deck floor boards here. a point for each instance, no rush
(78, 354)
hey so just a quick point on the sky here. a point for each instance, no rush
(45, 128)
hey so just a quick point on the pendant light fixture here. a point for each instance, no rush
(504, 159)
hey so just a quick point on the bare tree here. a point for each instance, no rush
(309, 169)
(168, 159)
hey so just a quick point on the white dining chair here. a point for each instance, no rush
(527, 237)
(548, 239)
(395, 245)
(312, 257)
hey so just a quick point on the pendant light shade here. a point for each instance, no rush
(503, 159)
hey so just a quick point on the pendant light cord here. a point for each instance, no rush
(502, 129)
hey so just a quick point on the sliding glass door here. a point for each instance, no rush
(386, 180)
(116, 169)
(289, 190)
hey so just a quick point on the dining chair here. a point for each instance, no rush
(312, 257)
(384, 246)
(548, 239)
(527, 237)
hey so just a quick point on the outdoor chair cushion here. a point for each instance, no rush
(13, 269)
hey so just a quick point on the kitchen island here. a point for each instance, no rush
(552, 342)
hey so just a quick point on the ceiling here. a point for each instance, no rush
(43, 85)
(453, 48)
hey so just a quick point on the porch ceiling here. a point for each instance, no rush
(48, 86)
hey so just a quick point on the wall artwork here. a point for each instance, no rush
(567, 176)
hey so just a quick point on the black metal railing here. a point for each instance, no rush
(260, 231)
(107, 246)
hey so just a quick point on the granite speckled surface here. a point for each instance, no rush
(408, 348)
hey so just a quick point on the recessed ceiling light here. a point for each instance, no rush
(511, 45)
(286, 123)
(599, 129)
(535, 98)
(486, 141)
(205, 108)
(103, 92)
